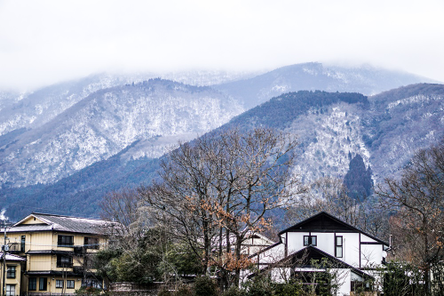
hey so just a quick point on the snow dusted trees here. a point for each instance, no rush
(217, 189)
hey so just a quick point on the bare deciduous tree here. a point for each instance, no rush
(218, 188)
(120, 206)
(419, 198)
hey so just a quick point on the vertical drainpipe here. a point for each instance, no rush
(360, 255)
(286, 244)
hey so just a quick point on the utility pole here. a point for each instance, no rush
(4, 260)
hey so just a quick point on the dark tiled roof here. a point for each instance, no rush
(324, 222)
(64, 224)
(30, 228)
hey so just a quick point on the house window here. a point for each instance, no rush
(10, 274)
(310, 240)
(70, 284)
(10, 290)
(64, 261)
(91, 243)
(91, 283)
(43, 283)
(23, 243)
(65, 241)
(339, 245)
(59, 283)
(32, 284)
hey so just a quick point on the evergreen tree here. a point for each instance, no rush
(358, 179)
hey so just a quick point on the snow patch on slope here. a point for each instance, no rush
(327, 139)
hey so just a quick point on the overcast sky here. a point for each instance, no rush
(43, 42)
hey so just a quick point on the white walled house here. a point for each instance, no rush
(350, 253)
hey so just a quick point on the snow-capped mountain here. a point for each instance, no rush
(111, 126)
(367, 80)
(31, 110)
(34, 109)
(400, 122)
(385, 130)
(156, 113)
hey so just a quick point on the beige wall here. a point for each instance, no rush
(47, 241)
(39, 262)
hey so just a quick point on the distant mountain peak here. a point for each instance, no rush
(367, 80)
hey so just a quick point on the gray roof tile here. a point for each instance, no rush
(64, 224)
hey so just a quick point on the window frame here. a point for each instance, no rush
(8, 290)
(90, 242)
(68, 286)
(65, 241)
(339, 246)
(43, 284)
(59, 284)
(32, 284)
(308, 240)
(64, 261)
(11, 271)
(23, 243)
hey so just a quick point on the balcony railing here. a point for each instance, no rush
(15, 248)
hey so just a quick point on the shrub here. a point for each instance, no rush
(204, 286)
(288, 289)
(234, 291)
(184, 290)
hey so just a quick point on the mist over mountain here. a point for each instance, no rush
(70, 143)
(109, 120)
(367, 80)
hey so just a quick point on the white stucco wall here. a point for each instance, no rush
(371, 256)
(342, 278)
(272, 255)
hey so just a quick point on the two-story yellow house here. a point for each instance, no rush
(59, 251)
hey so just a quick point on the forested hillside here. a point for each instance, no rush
(332, 129)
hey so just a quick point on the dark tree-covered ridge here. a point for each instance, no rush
(280, 111)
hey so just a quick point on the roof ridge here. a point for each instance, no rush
(16, 257)
(334, 218)
(66, 216)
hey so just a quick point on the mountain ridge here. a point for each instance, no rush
(315, 76)
(109, 120)
(332, 128)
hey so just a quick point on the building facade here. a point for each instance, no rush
(323, 243)
(11, 271)
(58, 252)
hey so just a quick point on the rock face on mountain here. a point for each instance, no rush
(315, 76)
(400, 122)
(385, 129)
(107, 121)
